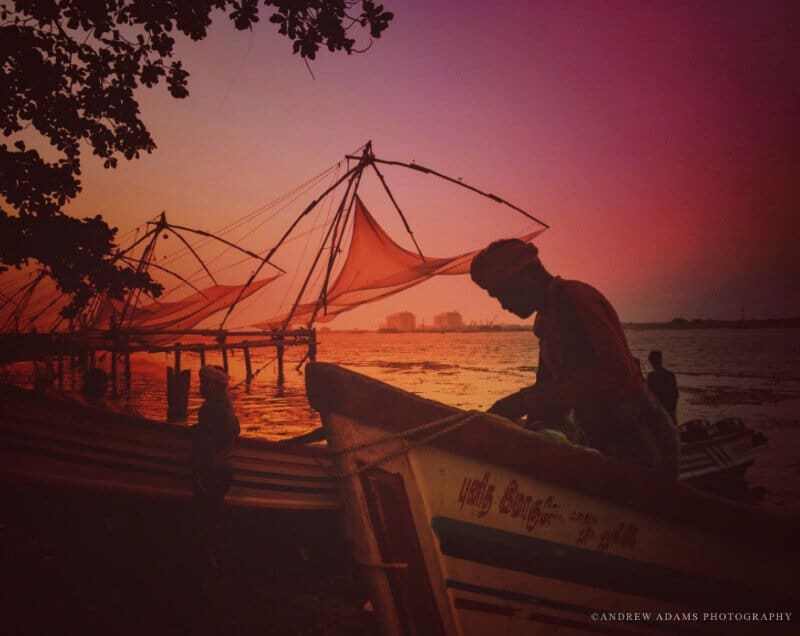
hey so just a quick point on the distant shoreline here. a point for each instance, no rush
(703, 323)
(675, 323)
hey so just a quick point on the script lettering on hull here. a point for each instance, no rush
(541, 511)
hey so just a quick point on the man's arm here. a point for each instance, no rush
(512, 406)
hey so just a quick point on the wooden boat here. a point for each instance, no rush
(47, 438)
(462, 523)
(716, 456)
(50, 439)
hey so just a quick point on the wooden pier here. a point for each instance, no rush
(30, 346)
(52, 349)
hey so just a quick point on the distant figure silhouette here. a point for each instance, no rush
(587, 376)
(662, 384)
(95, 387)
(212, 466)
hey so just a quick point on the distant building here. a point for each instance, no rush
(401, 321)
(450, 320)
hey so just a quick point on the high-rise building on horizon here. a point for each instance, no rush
(401, 321)
(449, 320)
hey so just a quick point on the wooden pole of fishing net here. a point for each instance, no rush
(397, 207)
(354, 179)
(489, 195)
(222, 240)
(286, 234)
(144, 262)
(336, 243)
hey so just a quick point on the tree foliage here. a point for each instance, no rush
(69, 69)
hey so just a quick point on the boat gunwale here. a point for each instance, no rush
(335, 389)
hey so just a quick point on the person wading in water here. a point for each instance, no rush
(212, 467)
(586, 374)
(663, 385)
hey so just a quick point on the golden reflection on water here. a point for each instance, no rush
(751, 374)
(469, 370)
(472, 370)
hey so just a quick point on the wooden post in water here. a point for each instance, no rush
(224, 354)
(60, 373)
(279, 351)
(178, 395)
(114, 337)
(248, 367)
(202, 356)
(127, 372)
(177, 389)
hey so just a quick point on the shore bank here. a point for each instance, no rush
(88, 563)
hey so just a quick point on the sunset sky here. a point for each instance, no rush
(658, 139)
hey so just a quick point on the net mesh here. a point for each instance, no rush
(375, 267)
(185, 261)
(190, 311)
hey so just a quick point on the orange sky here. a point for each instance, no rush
(657, 139)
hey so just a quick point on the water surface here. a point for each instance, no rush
(753, 374)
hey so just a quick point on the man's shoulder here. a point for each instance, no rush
(661, 375)
(567, 286)
(577, 294)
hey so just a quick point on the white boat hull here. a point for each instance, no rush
(485, 528)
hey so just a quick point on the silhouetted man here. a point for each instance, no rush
(585, 368)
(662, 384)
(212, 443)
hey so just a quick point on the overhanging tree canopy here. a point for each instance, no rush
(69, 69)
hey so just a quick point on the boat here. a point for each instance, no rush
(52, 440)
(715, 457)
(464, 523)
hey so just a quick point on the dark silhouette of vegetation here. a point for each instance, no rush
(68, 70)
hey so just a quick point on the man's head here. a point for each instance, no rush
(655, 359)
(213, 380)
(510, 270)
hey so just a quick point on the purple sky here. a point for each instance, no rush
(658, 139)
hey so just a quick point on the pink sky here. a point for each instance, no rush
(657, 139)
